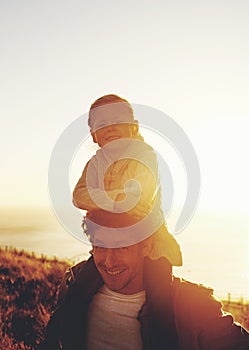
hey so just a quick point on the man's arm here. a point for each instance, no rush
(201, 322)
(222, 333)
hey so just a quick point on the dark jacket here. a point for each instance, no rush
(199, 322)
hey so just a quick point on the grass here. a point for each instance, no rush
(28, 286)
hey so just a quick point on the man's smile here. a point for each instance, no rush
(114, 272)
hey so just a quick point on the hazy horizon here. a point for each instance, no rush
(211, 256)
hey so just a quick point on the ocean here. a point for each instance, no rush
(215, 251)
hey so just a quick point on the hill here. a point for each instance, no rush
(28, 287)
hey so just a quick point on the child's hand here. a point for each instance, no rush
(120, 197)
(140, 210)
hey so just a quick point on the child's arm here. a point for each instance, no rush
(88, 196)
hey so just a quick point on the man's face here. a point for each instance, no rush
(121, 268)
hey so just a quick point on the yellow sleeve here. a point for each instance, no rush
(88, 196)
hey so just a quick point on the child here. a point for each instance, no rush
(119, 187)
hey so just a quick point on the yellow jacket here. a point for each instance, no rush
(132, 174)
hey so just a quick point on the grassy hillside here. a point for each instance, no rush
(28, 286)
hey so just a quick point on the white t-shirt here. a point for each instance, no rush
(112, 321)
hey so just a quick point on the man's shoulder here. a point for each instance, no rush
(69, 276)
(191, 288)
(195, 300)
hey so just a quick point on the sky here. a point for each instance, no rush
(188, 59)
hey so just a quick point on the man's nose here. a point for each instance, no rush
(110, 257)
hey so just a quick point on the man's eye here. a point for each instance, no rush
(123, 248)
(99, 249)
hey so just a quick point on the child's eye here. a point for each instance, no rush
(100, 125)
(120, 121)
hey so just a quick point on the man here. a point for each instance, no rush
(116, 300)
(124, 297)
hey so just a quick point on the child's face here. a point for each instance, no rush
(106, 134)
(112, 122)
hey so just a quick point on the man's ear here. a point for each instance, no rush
(91, 251)
(146, 248)
(94, 136)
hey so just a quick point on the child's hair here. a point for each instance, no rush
(106, 100)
